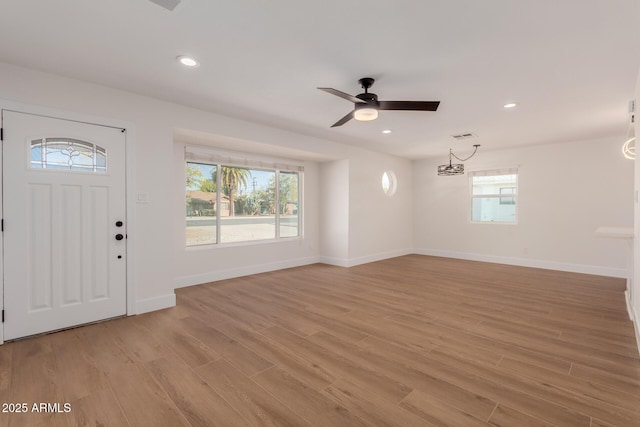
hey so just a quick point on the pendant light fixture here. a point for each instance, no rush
(457, 168)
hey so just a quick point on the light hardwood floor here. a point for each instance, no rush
(410, 341)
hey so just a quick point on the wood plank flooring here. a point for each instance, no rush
(410, 341)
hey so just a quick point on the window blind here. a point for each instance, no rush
(494, 172)
(238, 159)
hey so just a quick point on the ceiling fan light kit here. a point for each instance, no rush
(365, 113)
(457, 168)
(366, 104)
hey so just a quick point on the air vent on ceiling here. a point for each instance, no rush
(167, 4)
(463, 136)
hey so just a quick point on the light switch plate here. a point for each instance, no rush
(142, 198)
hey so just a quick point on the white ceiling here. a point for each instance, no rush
(571, 65)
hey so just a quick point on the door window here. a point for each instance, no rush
(68, 154)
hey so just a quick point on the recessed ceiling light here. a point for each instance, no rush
(386, 131)
(510, 105)
(187, 61)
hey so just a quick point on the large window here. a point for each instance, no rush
(494, 195)
(227, 203)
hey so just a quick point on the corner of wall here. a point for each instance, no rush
(155, 303)
(338, 262)
(232, 273)
(633, 294)
(634, 318)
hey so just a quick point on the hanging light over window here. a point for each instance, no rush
(457, 168)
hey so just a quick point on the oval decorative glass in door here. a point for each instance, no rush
(68, 154)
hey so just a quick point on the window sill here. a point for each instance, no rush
(218, 246)
(494, 222)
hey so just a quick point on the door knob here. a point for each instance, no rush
(119, 237)
(118, 223)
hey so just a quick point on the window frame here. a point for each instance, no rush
(247, 161)
(508, 198)
(392, 181)
(495, 172)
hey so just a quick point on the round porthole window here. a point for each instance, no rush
(389, 183)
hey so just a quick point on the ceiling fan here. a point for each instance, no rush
(366, 105)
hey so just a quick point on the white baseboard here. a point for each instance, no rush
(525, 262)
(351, 262)
(231, 273)
(338, 262)
(378, 257)
(155, 303)
(637, 329)
(630, 309)
(634, 318)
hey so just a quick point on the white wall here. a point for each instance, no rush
(380, 226)
(359, 222)
(148, 231)
(566, 191)
(161, 261)
(334, 212)
(633, 296)
(156, 230)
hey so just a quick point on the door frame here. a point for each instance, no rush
(130, 180)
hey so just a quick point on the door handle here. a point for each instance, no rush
(119, 237)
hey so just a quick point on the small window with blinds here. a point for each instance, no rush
(231, 198)
(494, 196)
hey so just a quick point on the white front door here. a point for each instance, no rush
(64, 223)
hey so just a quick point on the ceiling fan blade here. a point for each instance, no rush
(409, 105)
(344, 120)
(340, 94)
